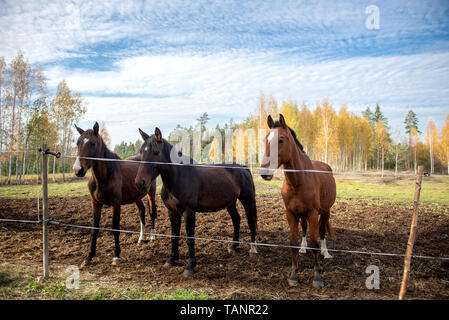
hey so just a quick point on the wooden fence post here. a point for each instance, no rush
(411, 240)
(45, 211)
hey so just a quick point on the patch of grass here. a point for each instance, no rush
(434, 189)
(68, 189)
(19, 283)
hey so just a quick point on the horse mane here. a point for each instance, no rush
(277, 124)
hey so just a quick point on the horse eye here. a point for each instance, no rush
(281, 140)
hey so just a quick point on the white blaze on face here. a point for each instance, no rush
(271, 136)
(77, 165)
(85, 140)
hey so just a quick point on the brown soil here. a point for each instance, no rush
(363, 225)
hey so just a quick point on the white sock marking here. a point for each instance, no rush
(303, 245)
(324, 251)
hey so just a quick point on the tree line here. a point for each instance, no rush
(30, 117)
(348, 141)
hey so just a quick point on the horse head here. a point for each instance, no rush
(152, 150)
(89, 145)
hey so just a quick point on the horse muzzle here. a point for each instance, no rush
(80, 173)
(266, 174)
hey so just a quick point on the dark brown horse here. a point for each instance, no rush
(111, 184)
(189, 189)
(308, 196)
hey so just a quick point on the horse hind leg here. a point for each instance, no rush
(141, 209)
(304, 235)
(324, 223)
(232, 210)
(251, 215)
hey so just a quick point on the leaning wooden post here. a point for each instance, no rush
(45, 211)
(411, 239)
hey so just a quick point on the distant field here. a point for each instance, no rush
(434, 189)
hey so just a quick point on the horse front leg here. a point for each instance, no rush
(96, 210)
(294, 238)
(153, 212)
(304, 235)
(314, 230)
(116, 226)
(189, 218)
(175, 222)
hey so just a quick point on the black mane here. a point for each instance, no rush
(277, 125)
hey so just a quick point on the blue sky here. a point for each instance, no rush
(160, 63)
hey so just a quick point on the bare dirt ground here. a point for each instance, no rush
(365, 225)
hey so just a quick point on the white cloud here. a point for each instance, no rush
(166, 90)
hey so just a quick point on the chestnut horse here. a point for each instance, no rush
(308, 196)
(111, 184)
(189, 189)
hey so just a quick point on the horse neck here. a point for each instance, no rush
(99, 167)
(297, 161)
(170, 174)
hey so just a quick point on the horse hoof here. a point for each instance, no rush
(232, 250)
(292, 282)
(85, 264)
(115, 261)
(302, 250)
(153, 238)
(318, 284)
(327, 256)
(253, 253)
(169, 263)
(188, 272)
(142, 241)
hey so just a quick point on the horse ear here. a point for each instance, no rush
(282, 121)
(270, 122)
(158, 134)
(96, 128)
(81, 131)
(144, 135)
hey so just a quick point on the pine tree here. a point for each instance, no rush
(411, 121)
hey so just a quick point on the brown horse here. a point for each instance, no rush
(111, 184)
(308, 196)
(189, 189)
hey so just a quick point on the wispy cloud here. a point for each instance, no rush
(143, 63)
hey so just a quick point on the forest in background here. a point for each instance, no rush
(30, 117)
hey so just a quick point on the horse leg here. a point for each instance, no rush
(151, 197)
(304, 235)
(175, 222)
(141, 208)
(116, 226)
(251, 215)
(96, 209)
(232, 210)
(294, 238)
(189, 218)
(314, 229)
(324, 220)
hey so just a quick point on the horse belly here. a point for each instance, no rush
(217, 194)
